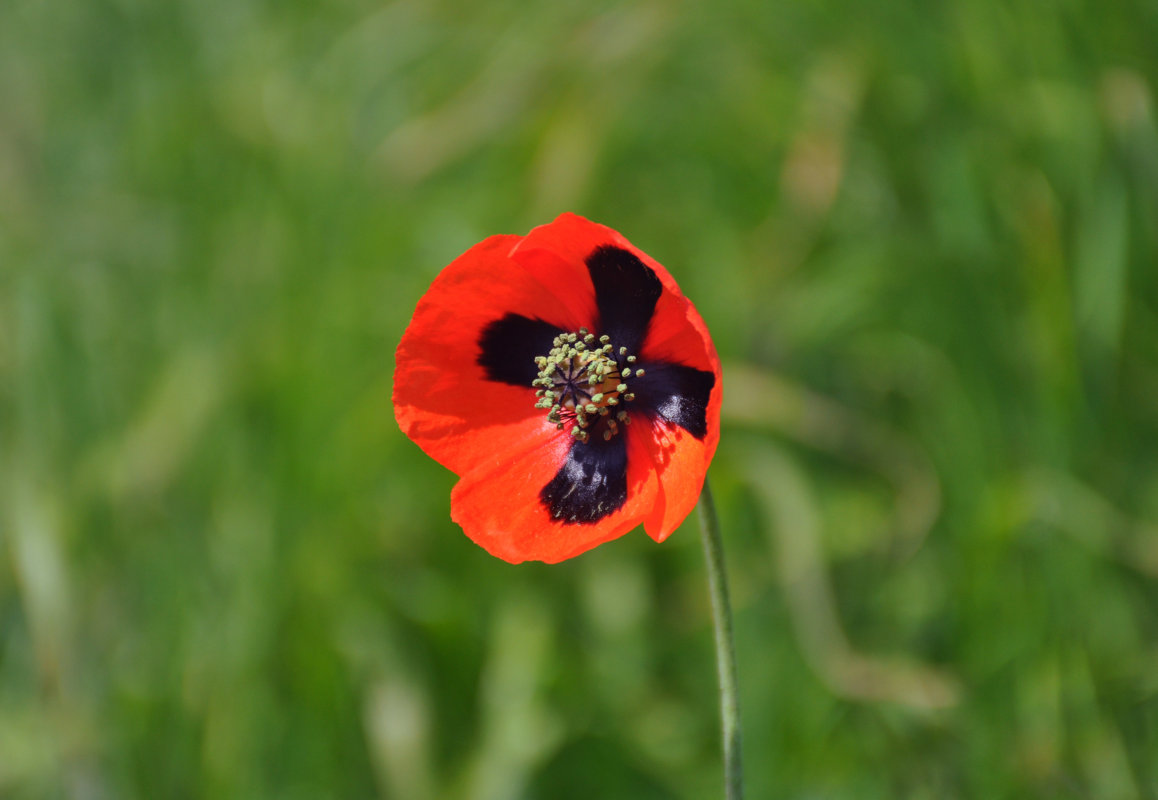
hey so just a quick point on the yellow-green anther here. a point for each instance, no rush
(576, 368)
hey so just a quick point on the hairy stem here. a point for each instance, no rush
(725, 644)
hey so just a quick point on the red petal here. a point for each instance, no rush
(677, 331)
(498, 505)
(682, 460)
(681, 463)
(678, 334)
(559, 249)
(442, 398)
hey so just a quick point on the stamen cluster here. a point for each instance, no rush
(582, 381)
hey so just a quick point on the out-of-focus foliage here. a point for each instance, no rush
(925, 237)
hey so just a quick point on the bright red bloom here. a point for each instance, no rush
(568, 383)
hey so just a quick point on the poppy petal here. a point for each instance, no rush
(499, 504)
(626, 291)
(557, 253)
(677, 393)
(678, 335)
(508, 347)
(591, 484)
(681, 462)
(443, 397)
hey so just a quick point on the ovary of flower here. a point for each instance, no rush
(581, 379)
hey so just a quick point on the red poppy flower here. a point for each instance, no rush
(568, 383)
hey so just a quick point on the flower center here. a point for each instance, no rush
(583, 382)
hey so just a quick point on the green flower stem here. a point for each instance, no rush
(725, 644)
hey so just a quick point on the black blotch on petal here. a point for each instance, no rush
(626, 291)
(508, 347)
(676, 393)
(591, 484)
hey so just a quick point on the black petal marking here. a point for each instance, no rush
(626, 291)
(508, 347)
(591, 484)
(676, 393)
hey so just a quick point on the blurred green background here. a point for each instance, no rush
(924, 235)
